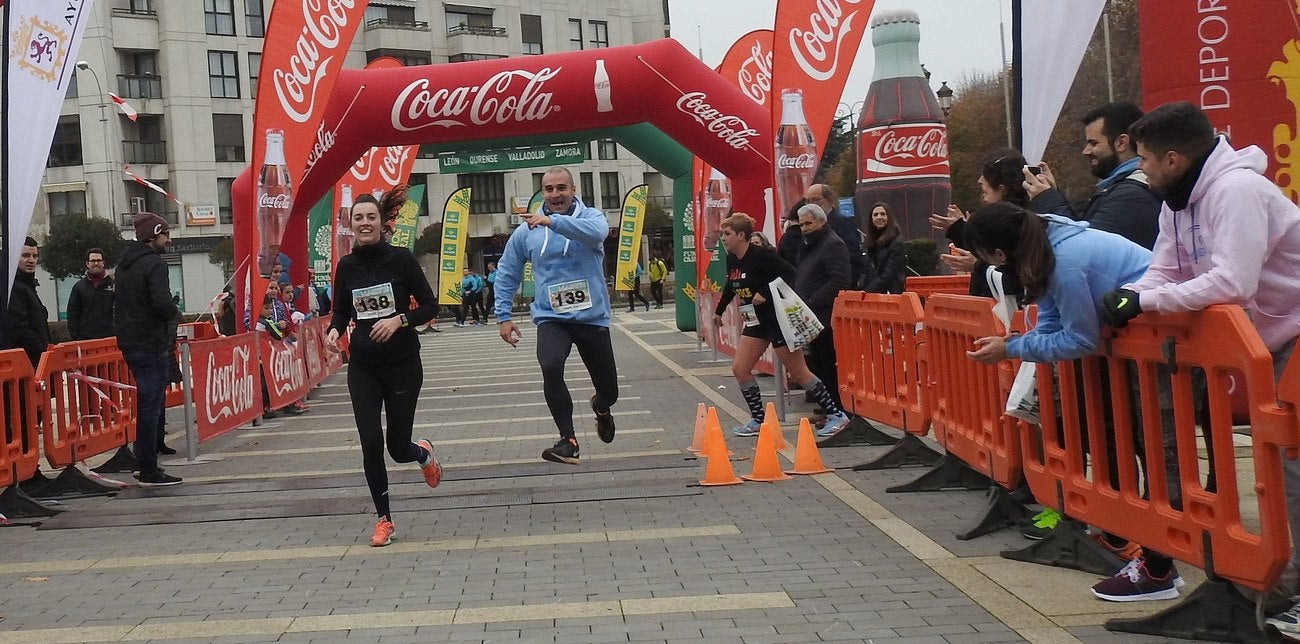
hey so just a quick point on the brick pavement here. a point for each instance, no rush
(829, 558)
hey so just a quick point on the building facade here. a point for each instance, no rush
(190, 69)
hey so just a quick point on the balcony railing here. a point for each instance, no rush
(385, 23)
(144, 151)
(172, 218)
(141, 86)
(472, 30)
(135, 11)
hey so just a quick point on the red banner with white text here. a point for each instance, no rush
(284, 367)
(1237, 61)
(224, 376)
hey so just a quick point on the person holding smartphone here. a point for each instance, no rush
(375, 284)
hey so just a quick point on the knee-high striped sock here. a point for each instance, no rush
(822, 395)
(753, 398)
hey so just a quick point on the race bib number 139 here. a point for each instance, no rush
(569, 296)
(374, 302)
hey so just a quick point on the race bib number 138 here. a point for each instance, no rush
(374, 302)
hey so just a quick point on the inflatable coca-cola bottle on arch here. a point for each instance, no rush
(902, 141)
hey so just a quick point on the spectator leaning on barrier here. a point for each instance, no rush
(26, 323)
(1227, 236)
(142, 315)
(90, 305)
(1124, 203)
(824, 269)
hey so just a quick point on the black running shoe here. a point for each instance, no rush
(165, 450)
(157, 479)
(604, 423)
(565, 451)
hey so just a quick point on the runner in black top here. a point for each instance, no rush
(373, 287)
(750, 271)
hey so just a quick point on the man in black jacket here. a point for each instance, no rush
(26, 321)
(90, 306)
(822, 272)
(1124, 204)
(821, 195)
(143, 314)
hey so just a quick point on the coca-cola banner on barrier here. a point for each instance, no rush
(225, 386)
(285, 370)
(309, 336)
(302, 55)
(1237, 61)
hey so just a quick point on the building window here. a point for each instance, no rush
(460, 58)
(140, 6)
(219, 17)
(63, 204)
(588, 193)
(471, 20)
(139, 77)
(487, 192)
(409, 57)
(575, 33)
(530, 27)
(225, 213)
(223, 74)
(537, 181)
(65, 149)
(228, 137)
(148, 145)
(143, 199)
(611, 198)
(254, 65)
(599, 33)
(254, 18)
(607, 150)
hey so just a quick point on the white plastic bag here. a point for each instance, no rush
(798, 323)
(1004, 305)
(1022, 400)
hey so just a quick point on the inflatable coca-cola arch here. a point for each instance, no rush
(527, 100)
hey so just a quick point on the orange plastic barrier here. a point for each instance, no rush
(925, 286)
(967, 397)
(85, 410)
(876, 341)
(1209, 530)
(20, 450)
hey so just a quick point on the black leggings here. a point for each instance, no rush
(394, 387)
(554, 342)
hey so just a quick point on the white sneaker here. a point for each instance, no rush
(834, 423)
(747, 430)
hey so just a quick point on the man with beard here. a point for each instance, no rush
(1124, 203)
(90, 306)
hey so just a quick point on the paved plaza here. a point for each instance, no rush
(267, 541)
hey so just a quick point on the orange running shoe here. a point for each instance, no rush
(383, 535)
(432, 470)
(1128, 552)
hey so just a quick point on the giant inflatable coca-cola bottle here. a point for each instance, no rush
(902, 141)
(274, 200)
(796, 154)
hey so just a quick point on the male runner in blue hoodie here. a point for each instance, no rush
(566, 244)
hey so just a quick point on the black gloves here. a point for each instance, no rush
(1118, 307)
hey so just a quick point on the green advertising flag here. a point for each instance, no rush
(455, 223)
(320, 239)
(406, 229)
(629, 237)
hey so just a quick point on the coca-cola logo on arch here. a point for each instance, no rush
(903, 150)
(323, 22)
(499, 100)
(733, 130)
(816, 45)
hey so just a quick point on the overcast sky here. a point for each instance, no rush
(956, 37)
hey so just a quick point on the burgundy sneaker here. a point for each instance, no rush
(1133, 583)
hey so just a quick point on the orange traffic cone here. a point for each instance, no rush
(697, 442)
(766, 466)
(769, 416)
(718, 470)
(807, 460)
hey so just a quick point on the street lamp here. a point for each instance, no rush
(944, 94)
(108, 151)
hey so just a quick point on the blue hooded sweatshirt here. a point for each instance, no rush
(571, 248)
(1089, 263)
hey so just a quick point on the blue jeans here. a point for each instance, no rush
(150, 372)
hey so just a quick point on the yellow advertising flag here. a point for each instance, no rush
(455, 237)
(629, 237)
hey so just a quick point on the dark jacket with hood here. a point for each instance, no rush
(823, 271)
(26, 324)
(1124, 204)
(889, 267)
(90, 309)
(143, 309)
